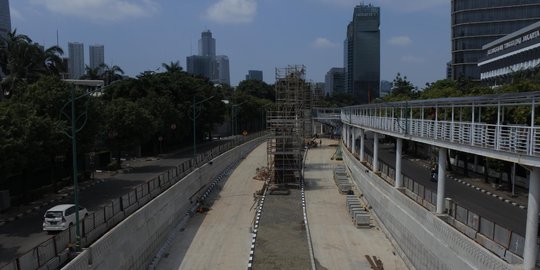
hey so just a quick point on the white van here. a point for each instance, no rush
(61, 217)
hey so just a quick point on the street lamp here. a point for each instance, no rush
(234, 118)
(73, 136)
(194, 118)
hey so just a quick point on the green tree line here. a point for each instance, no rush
(151, 112)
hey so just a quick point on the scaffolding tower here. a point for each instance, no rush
(289, 125)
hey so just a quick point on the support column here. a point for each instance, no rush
(313, 127)
(353, 139)
(375, 152)
(531, 231)
(441, 180)
(399, 179)
(362, 149)
(321, 129)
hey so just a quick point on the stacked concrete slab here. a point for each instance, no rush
(342, 180)
(357, 211)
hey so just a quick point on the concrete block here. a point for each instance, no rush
(512, 258)
(52, 264)
(468, 231)
(490, 245)
(362, 220)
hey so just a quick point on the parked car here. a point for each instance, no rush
(62, 216)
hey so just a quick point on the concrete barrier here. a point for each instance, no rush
(426, 240)
(135, 240)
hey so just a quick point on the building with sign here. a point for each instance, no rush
(477, 23)
(363, 54)
(515, 52)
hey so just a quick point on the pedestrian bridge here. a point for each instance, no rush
(501, 126)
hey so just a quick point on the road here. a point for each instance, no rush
(489, 207)
(221, 238)
(21, 235)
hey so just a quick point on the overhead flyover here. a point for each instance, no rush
(501, 126)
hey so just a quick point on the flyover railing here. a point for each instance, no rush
(504, 124)
(55, 251)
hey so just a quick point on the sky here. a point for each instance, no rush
(140, 35)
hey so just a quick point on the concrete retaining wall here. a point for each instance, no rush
(427, 241)
(134, 242)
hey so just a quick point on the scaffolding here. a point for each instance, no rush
(289, 124)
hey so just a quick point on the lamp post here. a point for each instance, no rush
(234, 118)
(73, 136)
(194, 108)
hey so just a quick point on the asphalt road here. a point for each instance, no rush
(491, 208)
(21, 235)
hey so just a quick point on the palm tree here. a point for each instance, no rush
(172, 67)
(22, 60)
(111, 74)
(92, 73)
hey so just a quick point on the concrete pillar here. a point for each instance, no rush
(353, 139)
(441, 180)
(375, 152)
(313, 127)
(399, 179)
(321, 131)
(362, 149)
(531, 231)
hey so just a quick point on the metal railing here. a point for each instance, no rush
(506, 239)
(502, 126)
(55, 251)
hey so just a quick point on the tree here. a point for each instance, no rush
(126, 125)
(111, 74)
(172, 67)
(92, 73)
(25, 61)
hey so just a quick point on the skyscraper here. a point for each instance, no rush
(5, 18)
(207, 64)
(207, 44)
(254, 75)
(223, 69)
(477, 23)
(363, 54)
(76, 60)
(334, 81)
(97, 55)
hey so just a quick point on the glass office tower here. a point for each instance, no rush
(363, 54)
(477, 23)
(5, 18)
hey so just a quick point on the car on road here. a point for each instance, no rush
(62, 216)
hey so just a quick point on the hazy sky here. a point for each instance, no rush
(139, 35)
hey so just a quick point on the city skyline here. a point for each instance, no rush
(309, 33)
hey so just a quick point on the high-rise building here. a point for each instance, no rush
(97, 55)
(516, 53)
(76, 60)
(254, 75)
(5, 19)
(363, 54)
(207, 44)
(334, 81)
(477, 23)
(207, 64)
(223, 70)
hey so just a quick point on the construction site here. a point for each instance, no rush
(290, 126)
